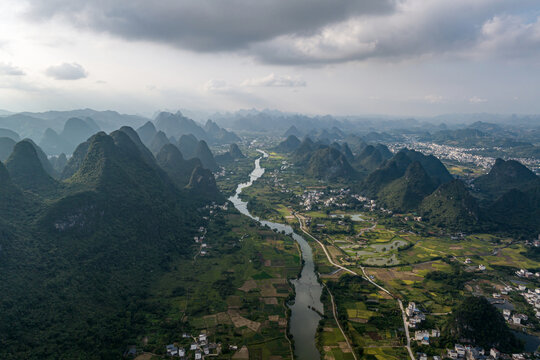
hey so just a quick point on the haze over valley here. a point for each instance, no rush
(266, 180)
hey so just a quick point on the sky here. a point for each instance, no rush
(340, 57)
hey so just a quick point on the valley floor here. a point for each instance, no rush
(417, 263)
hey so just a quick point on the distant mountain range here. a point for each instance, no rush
(60, 132)
(325, 160)
(232, 154)
(506, 199)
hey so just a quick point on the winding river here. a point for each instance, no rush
(303, 321)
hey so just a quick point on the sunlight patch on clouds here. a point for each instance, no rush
(273, 80)
(477, 100)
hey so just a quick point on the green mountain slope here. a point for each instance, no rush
(389, 171)
(329, 163)
(81, 266)
(47, 166)
(6, 147)
(75, 161)
(59, 162)
(26, 170)
(147, 132)
(202, 184)
(517, 211)
(77, 130)
(11, 197)
(293, 130)
(232, 154)
(503, 176)
(10, 134)
(371, 157)
(406, 192)
(433, 166)
(159, 140)
(178, 169)
(188, 145)
(395, 168)
(54, 144)
(205, 155)
(290, 144)
(476, 319)
(451, 206)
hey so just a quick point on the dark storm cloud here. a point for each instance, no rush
(205, 26)
(67, 71)
(454, 28)
(298, 32)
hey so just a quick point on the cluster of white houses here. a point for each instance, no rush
(533, 298)
(414, 315)
(476, 353)
(526, 274)
(423, 336)
(201, 240)
(198, 349)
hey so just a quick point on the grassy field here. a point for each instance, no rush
(236, 172)
(330, 340)
(371, 318)
(236, 294)
(414, 261)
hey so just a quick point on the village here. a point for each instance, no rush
(199, 347)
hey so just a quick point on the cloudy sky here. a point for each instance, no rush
(343, 57)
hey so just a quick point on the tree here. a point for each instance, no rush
(479, 322)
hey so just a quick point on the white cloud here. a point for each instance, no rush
(67, 71)
(273, 80)
(477, 100)
(434, 99)
(510, 36)
(216, 85)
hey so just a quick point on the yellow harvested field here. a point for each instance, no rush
(248, 285)
(242, 354)
(240, 321)
(393, 274)
(145, 356)
(270, 300)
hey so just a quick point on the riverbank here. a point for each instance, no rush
(303, 320)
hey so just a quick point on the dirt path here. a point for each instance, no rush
(334, 311)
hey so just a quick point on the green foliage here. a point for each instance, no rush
(451, 206)
(504, 176)
(407, 192)
(288, 145)
(453, 281)
(517, 211)
(77, 268)
(26, 170)
(481, 323)
(328, 163)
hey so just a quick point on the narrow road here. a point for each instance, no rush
(302, 227)
(334, 311)
(364, 276)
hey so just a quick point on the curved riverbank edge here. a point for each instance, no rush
(303, 321)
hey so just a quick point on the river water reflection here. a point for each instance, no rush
(303, 321)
